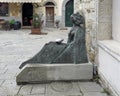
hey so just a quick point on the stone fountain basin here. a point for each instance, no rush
(42, 73)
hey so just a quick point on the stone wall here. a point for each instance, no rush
(104, 20)
(89, 7)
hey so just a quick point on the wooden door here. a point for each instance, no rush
(68, 12)
(49, 16)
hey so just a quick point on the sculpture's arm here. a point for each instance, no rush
(75, 36)
(70, 36)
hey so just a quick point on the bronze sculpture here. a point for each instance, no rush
(74, 51)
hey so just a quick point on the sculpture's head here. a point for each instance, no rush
(77, 19)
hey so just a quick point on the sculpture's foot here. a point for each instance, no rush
(42, 73)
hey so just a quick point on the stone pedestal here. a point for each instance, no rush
(42, 73)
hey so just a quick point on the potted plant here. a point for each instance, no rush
(12, 22)
(36, 24)
(57, 23)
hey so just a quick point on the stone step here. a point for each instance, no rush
(40, 73)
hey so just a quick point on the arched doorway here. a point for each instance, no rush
(27, 13)
(69, 8)
(49, 14)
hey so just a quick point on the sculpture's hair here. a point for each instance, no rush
(81, 12)
(78, 19)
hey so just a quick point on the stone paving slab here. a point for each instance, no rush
(11, 86)
(90, 87)
(2, 71)
(7, 76)
(95, 94)
(25, 90)
(61, 95)
(3, 92)
(2, 67)
(38, 89)
(1, 82)
(63, 89)
(34, 95)
(17, 46)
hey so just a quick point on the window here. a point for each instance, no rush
(4, 9)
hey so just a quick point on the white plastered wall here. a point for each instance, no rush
(109, 51)
(116, 20)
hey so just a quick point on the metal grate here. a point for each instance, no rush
(4, 9)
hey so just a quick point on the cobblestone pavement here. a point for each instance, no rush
(18, 46)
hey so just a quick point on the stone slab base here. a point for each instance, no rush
(42, 73)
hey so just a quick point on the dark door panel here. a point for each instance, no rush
(27, 13)
(68, 12)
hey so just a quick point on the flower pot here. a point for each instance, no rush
(35, 31)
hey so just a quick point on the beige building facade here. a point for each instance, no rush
(52, 10)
